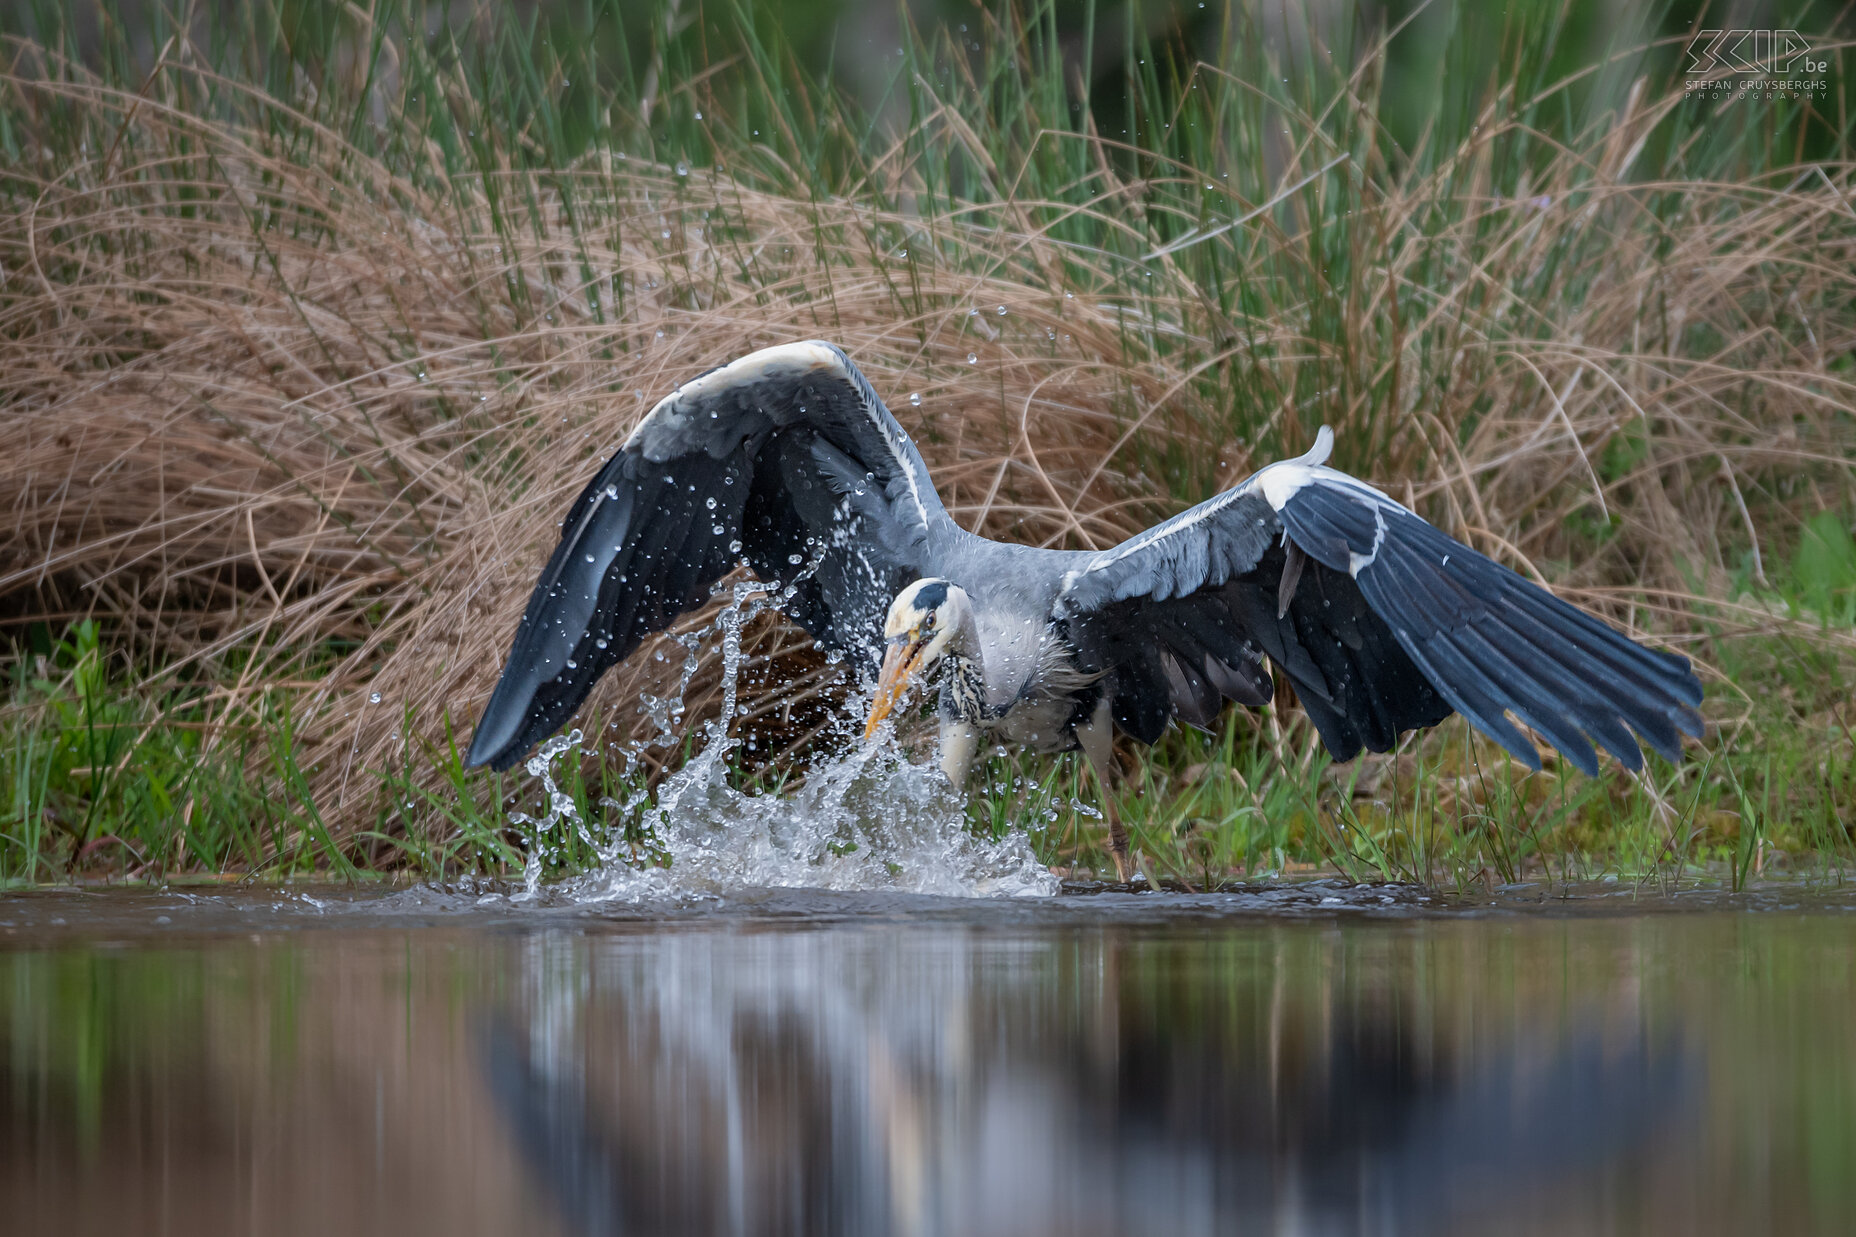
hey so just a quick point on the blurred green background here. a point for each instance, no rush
(664, 51)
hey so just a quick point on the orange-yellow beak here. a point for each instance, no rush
(900, 662)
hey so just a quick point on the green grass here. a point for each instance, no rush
(104, 780)
(1598, 329)
(105, 777)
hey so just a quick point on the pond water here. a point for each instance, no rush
(1312, 1059)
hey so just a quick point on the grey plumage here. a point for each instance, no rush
(788, 461)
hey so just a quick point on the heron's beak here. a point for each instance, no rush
(899, 665)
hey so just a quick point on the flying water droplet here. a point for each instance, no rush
(560, 811)
(973, 358)
(866, 819)
(915, 397)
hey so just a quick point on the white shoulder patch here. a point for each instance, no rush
(1286, 477)
(1280, 481)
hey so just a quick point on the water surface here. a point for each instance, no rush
(1315, 1059)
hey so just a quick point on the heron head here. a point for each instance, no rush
(924, 621)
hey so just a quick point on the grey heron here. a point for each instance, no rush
(788, 462)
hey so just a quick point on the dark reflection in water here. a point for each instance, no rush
(1673, 1073)
(859, 1083)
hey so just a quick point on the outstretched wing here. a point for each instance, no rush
(786, 460)
(1381, 622)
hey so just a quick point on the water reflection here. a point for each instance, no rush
(832, 1083)
(1676, 1073)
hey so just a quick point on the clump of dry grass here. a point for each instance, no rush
(290, 410)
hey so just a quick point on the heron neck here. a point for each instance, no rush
(966, 681)
(966, 642)
(964, 691)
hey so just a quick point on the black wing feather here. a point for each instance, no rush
(1381, 622)
(1492, 643)
(626, 567)
(1351, 676)
(1183, 656)
(785, 460)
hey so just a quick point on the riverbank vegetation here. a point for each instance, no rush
(313, 320)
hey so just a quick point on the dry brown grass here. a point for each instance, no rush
(294, 403)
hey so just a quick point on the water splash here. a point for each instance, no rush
(548, 832)
(865, 819)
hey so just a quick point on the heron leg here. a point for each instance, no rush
(1097, 739)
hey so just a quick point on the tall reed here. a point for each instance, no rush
(311, 324)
